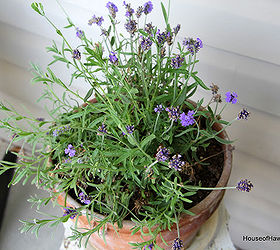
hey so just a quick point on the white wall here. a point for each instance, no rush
(241, 54)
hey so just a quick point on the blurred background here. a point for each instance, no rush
(241, 53)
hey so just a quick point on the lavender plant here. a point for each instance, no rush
(140, 130)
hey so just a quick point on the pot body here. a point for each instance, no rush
(189, 225)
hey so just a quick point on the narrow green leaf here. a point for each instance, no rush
(199, 81)
(147, 140)
(88, 95)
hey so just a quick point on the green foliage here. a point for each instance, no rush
(115, 168)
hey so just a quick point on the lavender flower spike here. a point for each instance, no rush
(158, 108)
(176, 163)
(130, 129)
(96, 20)
(162, 153)
(231, 97)
(244, 185)
(173, 113)
(129, 10)
(76, 54)
(146, 43)
(177, 244)
(79, 33)
(84, 198)
(102, 129)
(70, 150)
(188, 119)
(148, 7)
(70, 210)
(131, 27)
(113, 58)
(176, 62)
(149, 247)
(243, 114)
(113, 9)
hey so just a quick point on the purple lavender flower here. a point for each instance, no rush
(131, 26)
(113, 9)
(113, 58)
(139, 11)
(243, 114)
(244, 185)
(158, 108)
(161, 37)
(176, 62)
(129, 10)
(70, 150)
(39, 119)
(148, 7)
(188, 119)
(177, 244)
(173, 113)
(176, 29)
(193, 45)
(56, 133)
(169, 37)
(231, 97)
(102, 129)
(68, 160)
(96, 20)
(176, 163)
(162, 52)
(149, 28)
(76, 54)
(80, 161)
(162, 153)
(84, 198)
(149, 247)
(130, 129)
(79, 33)
(70, 210)
(61, 130)
(146, 43)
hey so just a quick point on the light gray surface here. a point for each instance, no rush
(18, 208)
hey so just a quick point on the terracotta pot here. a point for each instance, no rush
(189, 225)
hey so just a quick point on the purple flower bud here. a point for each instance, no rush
(130, 129)
(70, 210)
(113, 9)
(162, 154)
(146, 43)
(84, 198)
(103, 129)
(177, 244)
(96, 20)
(188, 119)
(113, 58)
(176, 163)
(231, 97)
(158, 108)
(243, 114)
(131, 26)
(76, 54)
(173, 113)
(79, 33)
(244, 185)
(176, 62)
(148, 7)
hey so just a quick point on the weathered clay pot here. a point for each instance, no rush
(189, 225)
